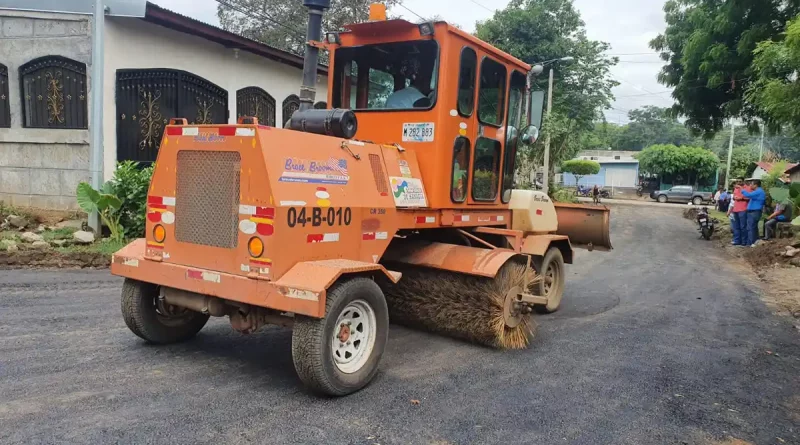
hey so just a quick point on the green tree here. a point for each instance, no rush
(540, 30)
(709, 48)
(651, 125)
(694, 165)
(580, 168)
(281, 23)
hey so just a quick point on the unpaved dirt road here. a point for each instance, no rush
(658, 342)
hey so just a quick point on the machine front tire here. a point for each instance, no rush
(553, 276)
(662, 198)
(156, 322)
(325, 354)
(697, 200)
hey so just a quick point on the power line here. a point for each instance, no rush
(409, 10)
(262, 15)
(482, 6)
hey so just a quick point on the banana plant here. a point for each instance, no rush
(105, 203)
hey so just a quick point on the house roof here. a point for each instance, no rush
(767, 166)
(170, 19)
(794, 168)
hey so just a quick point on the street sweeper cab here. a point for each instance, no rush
(396, 203)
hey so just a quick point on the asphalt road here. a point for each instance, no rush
(658, 342)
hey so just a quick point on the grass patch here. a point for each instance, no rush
(62, 233)
(10, 235)
(104, 246)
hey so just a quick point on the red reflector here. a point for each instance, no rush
(194, 274)
(154, 216)
(538, 211)
(155, 200)
(227, 131)
(317, 238)
(174, 131)
(265, 229)
(265, 212)
(368, 236)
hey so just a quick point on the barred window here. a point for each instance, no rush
(290, 105)
(253, 101)
(54, 93)
(5, 110)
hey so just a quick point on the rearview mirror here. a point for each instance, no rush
(537, 108)
(529, 135)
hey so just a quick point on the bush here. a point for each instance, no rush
(580, 168)
(130, 184)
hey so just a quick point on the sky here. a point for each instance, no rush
(627, 25)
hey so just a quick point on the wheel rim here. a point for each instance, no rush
(354, 336)
(552, 284)
(168, 314)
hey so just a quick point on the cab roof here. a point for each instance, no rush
(401, 26)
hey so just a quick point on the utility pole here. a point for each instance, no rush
(546, 176)
(730, 155)
(96, 154)
(761, 145)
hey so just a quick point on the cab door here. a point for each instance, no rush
(461, 163)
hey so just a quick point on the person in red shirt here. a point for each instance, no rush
(737, 213)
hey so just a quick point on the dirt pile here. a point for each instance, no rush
(773, 253)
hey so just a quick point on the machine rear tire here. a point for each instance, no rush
(154, 322)
(313, 341)
(552, 266)
(697, 200)
(662, 198)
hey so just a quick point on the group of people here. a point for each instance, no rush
(745, 207)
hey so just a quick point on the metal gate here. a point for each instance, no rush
(253, 101)
(147, 99)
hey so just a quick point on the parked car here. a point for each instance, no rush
(682, 193)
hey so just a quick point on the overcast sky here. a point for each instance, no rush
(628, 25)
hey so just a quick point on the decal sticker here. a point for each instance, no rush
(355, 142)
(323, 238)
(155, 245)
(168, 200)
(462, 132)
(317, 216)
(165, 255)
(168, 218)
(245, 132)
(247, 227)
(203, 275)
(293, 203)
(323, 197)
(301, 294)
(245, 268)
(461, 218)
(426, 219)
(372, 236)
(453, 113)
(418, 132)
(332, 171)
(206, 138)
(404, 170)
(190, 131)
(462, 125)
(408, 192)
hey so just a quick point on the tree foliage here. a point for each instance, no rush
(580, 168)
(775, 89)
(709, 48)
(694, 164)
(540, 30)
(282, 23)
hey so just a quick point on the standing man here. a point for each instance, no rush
(724, 200)
(755, 207)
(738, 209)
(716, 198)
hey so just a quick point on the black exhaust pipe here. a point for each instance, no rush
(338, 123)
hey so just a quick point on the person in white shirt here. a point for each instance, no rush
(409, 97)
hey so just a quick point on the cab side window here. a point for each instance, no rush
(466, 82)
(486, 172)
(461, 151)
(516, 94)
(492, 93)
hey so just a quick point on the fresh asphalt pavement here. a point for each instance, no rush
(661, 341)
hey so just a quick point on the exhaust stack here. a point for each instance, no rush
(308, 92)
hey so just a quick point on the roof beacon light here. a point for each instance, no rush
(377, 12)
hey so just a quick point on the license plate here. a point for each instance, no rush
(703, 220)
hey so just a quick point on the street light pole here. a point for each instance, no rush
(761, 145)
(730, 155)
(96, 153)
(546, 176)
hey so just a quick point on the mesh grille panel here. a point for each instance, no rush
(378, 173)
(207, 198)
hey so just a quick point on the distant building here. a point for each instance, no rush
(763, 168)
(618, 169)
(794, 174)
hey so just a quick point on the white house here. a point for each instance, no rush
(618, 169)
(161, 66)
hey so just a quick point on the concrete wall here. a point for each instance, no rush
(41, 167)
(134, 44)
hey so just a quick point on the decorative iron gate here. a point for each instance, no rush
(5, 110)
(253, 101)
(290, 105)
(147, 99)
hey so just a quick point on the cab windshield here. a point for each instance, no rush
(387, 76)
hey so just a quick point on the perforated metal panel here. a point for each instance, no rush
(207, 198)
(378, 174)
